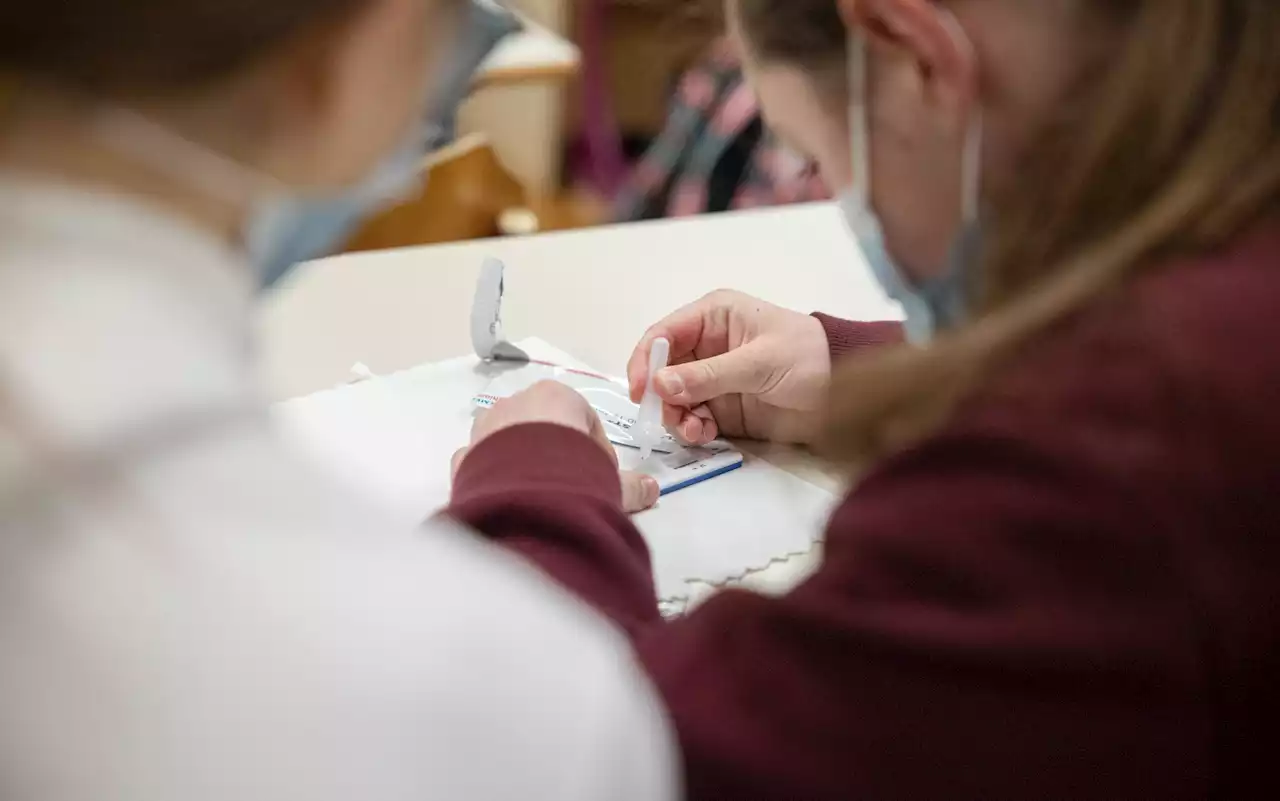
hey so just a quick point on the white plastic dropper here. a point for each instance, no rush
(649, 423)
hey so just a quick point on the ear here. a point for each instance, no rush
(931, 36)
(311, 64)
(301, 84)
(352, 86)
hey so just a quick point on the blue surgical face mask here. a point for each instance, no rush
(284, 227)
(290, 230)
(287, 230)
(941, 302)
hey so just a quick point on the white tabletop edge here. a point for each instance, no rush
(590, 292)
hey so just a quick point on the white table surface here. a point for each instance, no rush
(591, 293)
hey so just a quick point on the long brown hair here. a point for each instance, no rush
(1170, 145)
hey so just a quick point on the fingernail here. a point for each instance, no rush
(651, 490)
(691, 430)
(670, 382)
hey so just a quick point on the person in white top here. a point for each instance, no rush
(188, 611)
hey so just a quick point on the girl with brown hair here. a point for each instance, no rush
(1057, 577)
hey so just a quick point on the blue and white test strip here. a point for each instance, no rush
(686, 467)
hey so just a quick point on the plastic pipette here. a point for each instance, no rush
(649, 422)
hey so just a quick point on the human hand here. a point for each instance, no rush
(740, 367)
(555, 403)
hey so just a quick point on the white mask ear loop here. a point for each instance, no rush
(859, 119)
(860, 129)
(971, 159)
(971, 170)
(134, 135)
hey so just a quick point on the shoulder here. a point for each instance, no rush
(325, 635)
(465, 650)
(1200, 335)
(1214, 321)
(1172, 383)
(464, 611)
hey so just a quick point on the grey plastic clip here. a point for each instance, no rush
(486, 317)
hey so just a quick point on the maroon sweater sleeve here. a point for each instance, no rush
(563, 509)
(847, 336)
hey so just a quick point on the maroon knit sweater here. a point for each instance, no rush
(1070, 592)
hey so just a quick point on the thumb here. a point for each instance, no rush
(455, 464)
(639, 492)
(743, 371)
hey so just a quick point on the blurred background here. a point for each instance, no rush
(587, 112)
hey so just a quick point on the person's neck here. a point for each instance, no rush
(60, 145)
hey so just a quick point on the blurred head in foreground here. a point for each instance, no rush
(242, 116)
